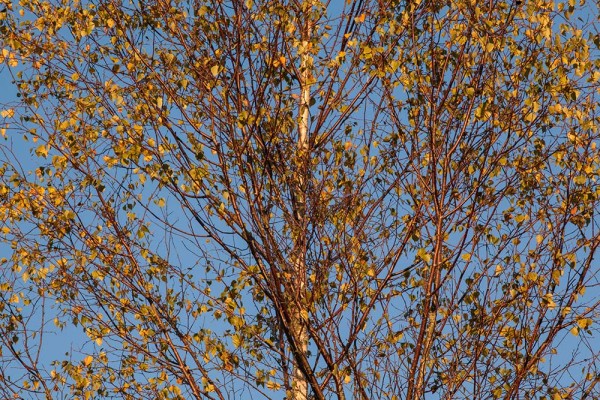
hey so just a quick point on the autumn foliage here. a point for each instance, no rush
(361, 199)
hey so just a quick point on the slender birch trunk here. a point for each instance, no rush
(300, 312)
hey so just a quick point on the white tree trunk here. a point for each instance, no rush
(299, 323)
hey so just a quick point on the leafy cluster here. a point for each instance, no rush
(230, 199)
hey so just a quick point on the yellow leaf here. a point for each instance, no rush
(521, 218)
(549, 301)
(273, 385)
(556, 396)
(497, 392)
(499, 270)
(41, 151)
(532, 276)
(423, 255)
(575, 331)
(7, 113)
(12, 61)
(88, 360)
(214, 70)
(539, 239)
(584, 323)
(466, 257)
(159, 102)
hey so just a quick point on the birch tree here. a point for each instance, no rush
(299, 199)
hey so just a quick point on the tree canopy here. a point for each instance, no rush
(299, 199)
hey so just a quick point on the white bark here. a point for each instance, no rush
(299, 324)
